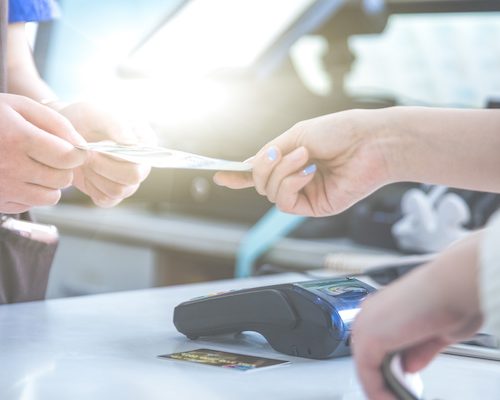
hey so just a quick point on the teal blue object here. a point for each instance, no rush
(269, 229)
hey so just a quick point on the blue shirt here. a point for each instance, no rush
(32, 10)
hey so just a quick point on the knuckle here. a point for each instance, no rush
(101, 200)
(299, 127)
(60, 121)
(324, 209)
(36, 174)
(287, 209)
(287, 185)
(65, 123)
(144, 171)
(259, 190)
(272, 194)
(130, 190)
(116, 191)
(52, 197)
(134, 175)
(285, 206)
(105, 202)
(258, 179)
(63, 179)
(98, 198)
(67, 179)
(260, 182)
(70, 158)
(126, 174)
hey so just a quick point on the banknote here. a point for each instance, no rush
(160, 157)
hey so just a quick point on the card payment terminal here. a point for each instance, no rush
(309, 319)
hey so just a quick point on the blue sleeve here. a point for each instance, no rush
(32, 10)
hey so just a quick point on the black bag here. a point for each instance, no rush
(24, 261)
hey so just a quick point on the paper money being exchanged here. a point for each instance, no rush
(160, 157)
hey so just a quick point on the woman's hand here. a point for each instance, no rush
(321, 166)
(324, 165)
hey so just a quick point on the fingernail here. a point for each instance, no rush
(272, 154)
(310, 169)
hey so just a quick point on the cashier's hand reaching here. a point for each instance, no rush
(37, 157)
(105, 179)
(320, 166)
(418, 315)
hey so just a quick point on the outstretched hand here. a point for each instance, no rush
(320, 166)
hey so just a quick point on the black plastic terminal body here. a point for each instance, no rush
(306, 319)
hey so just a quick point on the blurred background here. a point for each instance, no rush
(223, 77)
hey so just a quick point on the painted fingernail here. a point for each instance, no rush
(272, 154)
(310, 169)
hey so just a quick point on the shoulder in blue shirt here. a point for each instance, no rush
(32, 10)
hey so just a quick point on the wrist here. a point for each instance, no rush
(381, 128)
(403, 143)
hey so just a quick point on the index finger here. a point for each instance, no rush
(47, 148)
(242, 180)
(53, 151)
(369, 367)
(46, 119)
(234, 180)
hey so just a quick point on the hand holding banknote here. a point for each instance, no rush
(107, 180)
(319, 167)
(122, 155)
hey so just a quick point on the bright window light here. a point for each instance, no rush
(206, 36)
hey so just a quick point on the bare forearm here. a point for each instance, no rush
(457, 268)
(23, 75)
(26, 84)
(453, 147)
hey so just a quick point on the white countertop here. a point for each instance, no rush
(106, 347)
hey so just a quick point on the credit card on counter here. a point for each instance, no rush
(224, 359)
(160, 157)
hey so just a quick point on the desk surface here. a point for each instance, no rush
(105, 347)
